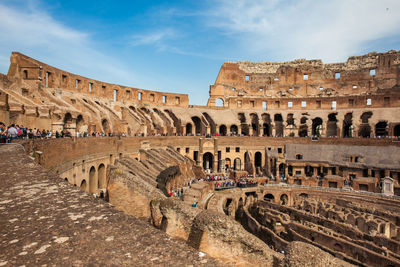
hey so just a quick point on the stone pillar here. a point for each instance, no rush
(315, 171)
(200, 156)
(217, 129)
(183, 129)
(309, 128)
(251, 130)
(215, 163)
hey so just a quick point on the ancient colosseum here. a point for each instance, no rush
(290, 163)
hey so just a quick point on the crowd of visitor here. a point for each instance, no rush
(14, 132)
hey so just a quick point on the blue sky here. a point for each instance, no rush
(179, 46)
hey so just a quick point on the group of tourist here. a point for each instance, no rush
(13, 132)
(176, 193)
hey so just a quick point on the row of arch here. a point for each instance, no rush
(208, 161)
(199, 127)
(258, 126)
(96, 179)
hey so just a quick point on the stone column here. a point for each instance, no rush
(215, 163)
(200, 156)
(315, 171)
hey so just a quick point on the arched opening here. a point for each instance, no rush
(92, 180)
(80, 124)
(248, 164)
(233, 130)
(189, 129)
(227, 164)
(67, 121)
(269, 197)
(255, 124)
(208, 161)
(219, 102)
(396, 130)
(222, 130)
(303, 131)
(365, 128)
(198, 125)
(245, 127)
(258, 159)
(303, 195)
(102, 176)
(237, 164)
(226, 206)
(290, 119)
(266, 125)
(83, 185)
(381, 129)
(266, 129)
(106, 127)
(282, 168)
(317, 127)
(278, 125)
(364, 131)
(284, 199)
(348, 125)
(303, 128)
(331, 128)
(66, 179)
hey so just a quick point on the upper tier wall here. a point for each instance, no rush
(248, 84)
(39, 74)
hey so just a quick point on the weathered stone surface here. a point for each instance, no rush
(300, 254)
(225, 239)
(46, 221)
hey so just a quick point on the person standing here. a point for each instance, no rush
(12, 132)
(3, 133)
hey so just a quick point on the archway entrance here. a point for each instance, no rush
(258, 162)
(102, 176)
(244, 125)
(255, 124)
(227, 163)
(278, 125)
(237, 164)
(234, 130)
(222, 130)
(219, 102)
(316, 127)
(365, 128)
(208, 160)
(198, 125)
(266, 125)
(396, 130)
(92, 180)
(284, 199)
(83, 185)
(189, 129)
(269, 197)
(348, 125)
(381, 129)
(331, 128)
(106, 128)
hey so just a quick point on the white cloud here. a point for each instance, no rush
(157, 38)
(331, 30)
(35, 33)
